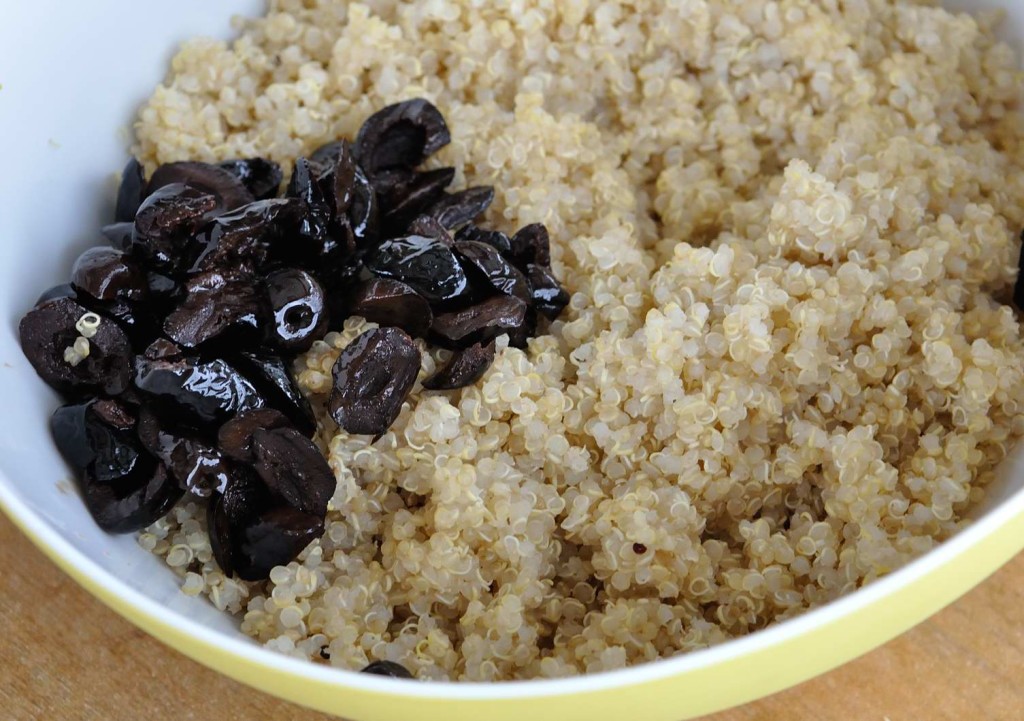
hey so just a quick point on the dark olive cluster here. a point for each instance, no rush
(1018, 289)
(172, 344)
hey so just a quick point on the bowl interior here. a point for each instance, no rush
(67, 100)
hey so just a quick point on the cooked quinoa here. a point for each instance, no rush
(787, 368)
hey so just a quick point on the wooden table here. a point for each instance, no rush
(78, 661)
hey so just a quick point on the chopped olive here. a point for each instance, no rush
(456, 209)
(74, 350)
(292, 467)
(430, 227)
(1018, 289)
(64, 290)
(334, 169)
(464, 368)
(216, 307)
(404, 198)
(235, 437)
(196, 466)
(531, 244)
(119, 235)
(270, 375)
(131, 192)
(243, 239)
(129, 507)
(108, 274)
(228, 189)
(299, 309)
(549, 298)
(401, 135)
(489, 271)
(166, 223)
(372, 378)
(389, 302)
(363, 213)
(261, 177)
(274, 538)
(494, 238)
(191, 390)
(484, 321)
(427, 265)
(313, 226)
(387, 668)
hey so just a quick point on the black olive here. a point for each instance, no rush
(275, 538)
(260, 176)
(549, 298)
(217, 308)
(229, 190)
(363, 211)
(316, 216)
(489, 271)
(48, 331)
(293, 468)
(124, 488)
(221, 543)
(531, 244)
(235, 437)
(335, 169)
(454, 210)
(494, 238)
(245, 497)
(1018, 288)
(190, 390)
(484, 321)
(372, 378)
(131, 192)
(404, 195)
(64, 290)
(243, 239)
(429, 227)
(299, 309)
(119, 235)
(389, 302)
(108, 274)
(387, 668)
(426, 264)
(464, 368)
(196, 466)
(166, 223)
(401, 135)
(270, 375)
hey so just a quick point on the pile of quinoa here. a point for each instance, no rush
(788, 366)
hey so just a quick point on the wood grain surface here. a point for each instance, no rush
(63, 655)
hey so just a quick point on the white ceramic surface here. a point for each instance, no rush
(67, 98)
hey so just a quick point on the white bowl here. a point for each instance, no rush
(72, 77)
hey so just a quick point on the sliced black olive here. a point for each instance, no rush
(363, 211)
(454, 210)
(426, 264)
(372, 378)
(48, 338)
(293, 468)
(494, 238)
(316, 216)
(166, 223)
(229, 190)
(221, 543)
(235, 437)
(299, 309)
(387, 668)
(123, 507)
(401, 135)
(275, 538)
(531, 244)
(429, 227)
(404, 200)
(119, 235)
(389, 302)
(243, 239)
(108, 274)
(260, 176)
(1018, 288)
(335, 169)
(488, 270)
(131, 192)
(245, 497)
(484, 321)
(271, 376)
(549, 298)
(464, 368)
(190, 390)
(196, 466)
(217, 307)
(64, 290)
